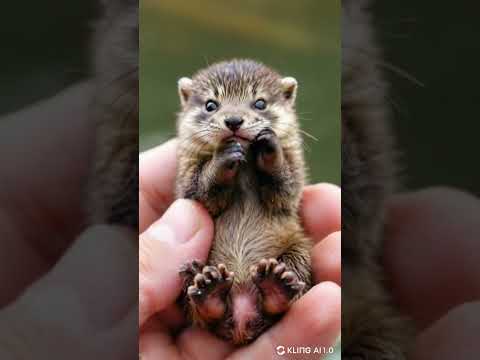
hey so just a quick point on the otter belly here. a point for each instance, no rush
(244, 235)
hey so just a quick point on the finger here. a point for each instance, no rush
(123, 338)
(100, 270)
(155, 343)
(37, 135)
(47, 213)
(193, 339)
(183, 234)
(432, 244)
(17, 250)
(157, 169)
(327, 259)
(313, 320)
(455, 336)
(91, 286)
(173, 317)
(321, 210)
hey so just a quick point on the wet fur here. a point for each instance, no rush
(113, 188)
(372, 326)
(256, 215)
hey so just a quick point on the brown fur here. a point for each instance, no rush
(113, 190)
(372, 327)
(255, 212)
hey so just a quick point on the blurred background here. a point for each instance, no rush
(44, 49)
(435, 114)
(299, 39)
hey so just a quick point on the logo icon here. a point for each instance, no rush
(280, 350)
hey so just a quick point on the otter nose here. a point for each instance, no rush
(234, 122)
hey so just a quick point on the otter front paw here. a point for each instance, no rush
(269, 151)
(277, 285)
(228, 159)
(208, 292)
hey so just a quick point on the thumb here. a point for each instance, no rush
(184, 233)
(82, 308)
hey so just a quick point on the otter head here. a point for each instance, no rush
(236, 99)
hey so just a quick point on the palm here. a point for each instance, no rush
(305, 323)
(44, 168)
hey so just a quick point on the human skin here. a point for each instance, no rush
(424, 238)
(55, 272)
(432, 254)
(432, 248)
(313, 320)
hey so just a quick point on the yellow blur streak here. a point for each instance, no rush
(224, 16)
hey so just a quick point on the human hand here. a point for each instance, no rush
(433, 255)
(65, 291)
(83, 308)
(173, 233)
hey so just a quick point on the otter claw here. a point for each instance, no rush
(277, 284)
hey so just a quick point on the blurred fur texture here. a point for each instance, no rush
(113, 191)
(372, 327)
(256, 212)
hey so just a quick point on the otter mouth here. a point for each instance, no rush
(238, 138)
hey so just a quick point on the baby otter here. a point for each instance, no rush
(240, 155)
(372, 326)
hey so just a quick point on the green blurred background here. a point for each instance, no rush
(300, 39)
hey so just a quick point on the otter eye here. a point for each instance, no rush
(260, 104)
(211, 105)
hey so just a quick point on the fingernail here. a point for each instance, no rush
(179, 224)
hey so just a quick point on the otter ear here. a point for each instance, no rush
(185, 89)
(289, 88)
